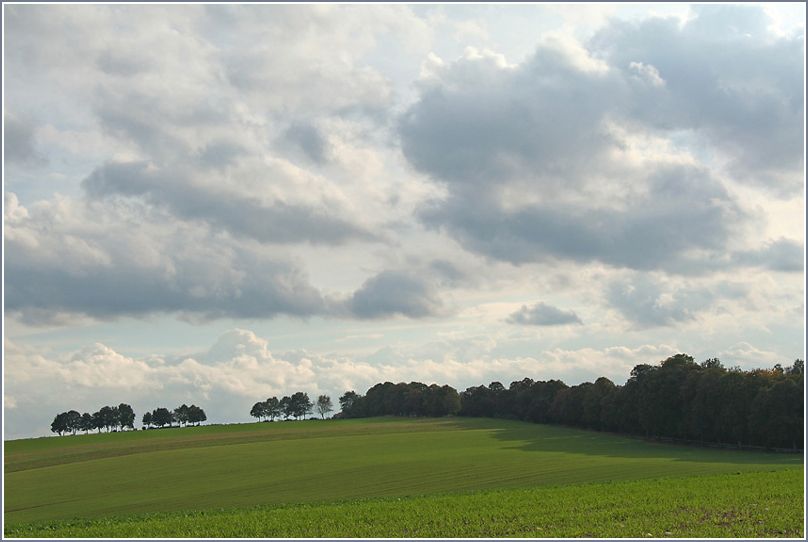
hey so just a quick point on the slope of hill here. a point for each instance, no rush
(56, 481)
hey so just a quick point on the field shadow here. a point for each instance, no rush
(531, 437)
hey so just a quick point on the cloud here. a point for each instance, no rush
(240, 215)
(621, 151)
(780, 255)
(685, 211)
(107, 261)
(541, 314)
(258, 52)
(641, 302)
(240, 368)
(308, 139)
(395, 293)
(728, 78)
(647, 302)
(262, 161)
(447, 273)
(647, 73)
(193, 129)
(750, 356)
(19, 142)
(479, 121)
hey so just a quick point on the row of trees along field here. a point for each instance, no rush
(182, 415)
(677, 399)
(296, 406)
(413, 399)
(122, 416)
(108, 417)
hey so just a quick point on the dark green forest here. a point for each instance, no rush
(678, 399)
(675, 399)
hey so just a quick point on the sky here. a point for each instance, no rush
(216, 204)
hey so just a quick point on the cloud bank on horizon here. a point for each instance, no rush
(445, 193)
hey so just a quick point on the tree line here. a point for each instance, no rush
(413, 399)
(182, 415)
(107, 417)
(677, 398)
(122, 416)
(296, 406)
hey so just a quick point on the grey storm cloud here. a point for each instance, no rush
(647, 302)
(60, 263)
(512, 144)
(272, 288)
(194, 276)
(19, 142)
(394, 293)
(447, 273)
(541, 314)
(725, 77)
(483, 125)
(240, 215)
(157, 124)
(115, 63)
(220, 154)
(781, 255)
(654, 234)
(640, 302)
(308, 139)
(531, 159)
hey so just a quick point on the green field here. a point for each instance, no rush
(393, 477)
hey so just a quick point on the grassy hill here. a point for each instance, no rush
(82, 481)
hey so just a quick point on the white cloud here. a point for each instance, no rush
(286, 167)
(240, 369)
(750, 356)
(647, 73)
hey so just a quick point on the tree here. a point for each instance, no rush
(286, 407)
(272, 408)
(98, 420)
(303, 405)
(108, 417)
(258, 410)
(675, 398)
(543, 394)
(86, 422)
(115, 417)
(475, 401)
(181, 414)
(73, 421)
(161, 417)
(736, 396)
(196, 415)
(299, 405)
(59, 424)
(147, 419)
(776, 415)
(349, 404)
(712, 363)
(324, 405)
(126, 416)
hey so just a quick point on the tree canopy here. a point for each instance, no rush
(324, 405)
(676, 398)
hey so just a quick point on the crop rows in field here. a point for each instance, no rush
(202, 469)
(761, 504)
